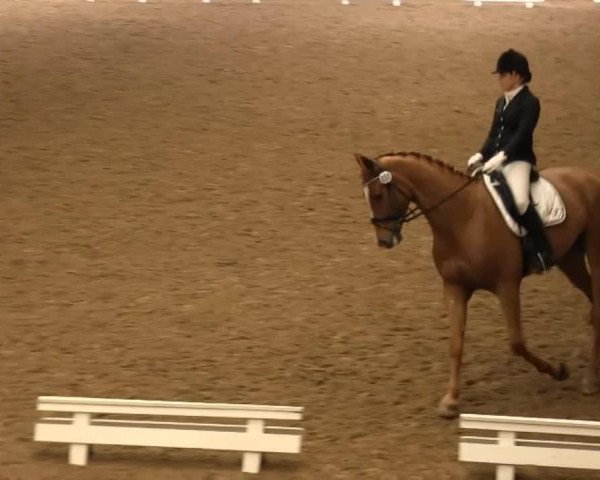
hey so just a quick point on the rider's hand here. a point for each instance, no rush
(494, 163)
(475, 164)
(478, 157)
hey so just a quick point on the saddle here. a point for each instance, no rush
(543, 195)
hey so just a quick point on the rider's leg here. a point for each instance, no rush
(517, 175)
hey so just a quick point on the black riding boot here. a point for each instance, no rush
(542, 258)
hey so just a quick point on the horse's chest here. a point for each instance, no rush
(454, 267)
(454, 270)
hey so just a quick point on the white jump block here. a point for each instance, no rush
(528, 3)
(506, 450)
(81, 430)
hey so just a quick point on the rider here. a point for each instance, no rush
(509, 147)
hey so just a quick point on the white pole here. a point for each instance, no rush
(208, 1)
(395, 3)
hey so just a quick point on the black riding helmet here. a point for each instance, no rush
(513, 61)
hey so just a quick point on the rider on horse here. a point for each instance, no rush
(509, 147)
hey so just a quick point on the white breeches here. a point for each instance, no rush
(517, 175)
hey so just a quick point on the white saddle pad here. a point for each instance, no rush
(546, 199)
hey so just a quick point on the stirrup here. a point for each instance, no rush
(540, 263)
(541, 259)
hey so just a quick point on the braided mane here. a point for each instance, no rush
(426, 158)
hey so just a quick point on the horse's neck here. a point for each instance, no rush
(431, 184)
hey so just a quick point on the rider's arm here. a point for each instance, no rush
(527, 123)
(487, 150)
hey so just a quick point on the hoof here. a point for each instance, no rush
(448, 409)
(590, 387)
(563, 373)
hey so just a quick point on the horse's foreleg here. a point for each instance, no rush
(510, 301)
(456, 298)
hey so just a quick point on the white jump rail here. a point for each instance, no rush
(209, 1)
(528, 3)
(395, 3)
(506, 450)
(146, 1)
(81, 431)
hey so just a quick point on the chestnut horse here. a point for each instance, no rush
(473, 249)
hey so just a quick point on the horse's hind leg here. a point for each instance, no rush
(510, 301)
(591, 382)
(574, 267)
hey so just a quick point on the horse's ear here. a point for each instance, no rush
(366, 164)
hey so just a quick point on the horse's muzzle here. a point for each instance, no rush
(395, 240)
(385, 244)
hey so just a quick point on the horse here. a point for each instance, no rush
(473, 249)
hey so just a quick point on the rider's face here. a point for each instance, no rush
(509, 81)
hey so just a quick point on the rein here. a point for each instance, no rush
(386, 178)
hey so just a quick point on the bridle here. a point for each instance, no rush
(394, 222)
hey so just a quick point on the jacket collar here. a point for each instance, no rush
(510, 96)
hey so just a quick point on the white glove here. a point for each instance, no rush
(478, 157)
(494, 163)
